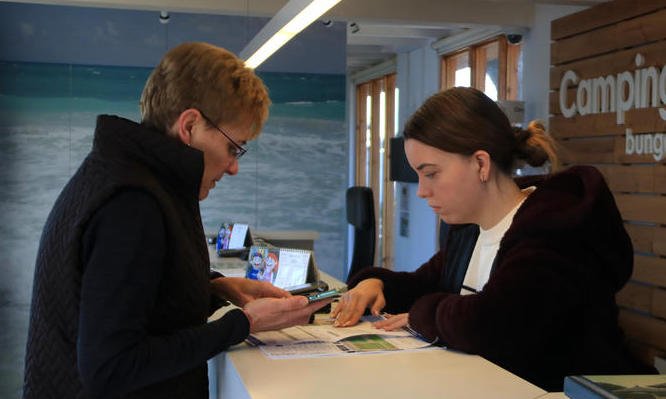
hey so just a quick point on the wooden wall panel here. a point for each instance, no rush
(585, 126)
(643, 120)
(512, 75)
(591, 43)
(658, 303)
(602, 150)
(588, 150)
(628, 33)
(600, 41)
(648, 300)
(554, 100)
(642, 29)
(659, 241)
(621, 156)
(660, 178)
(643, 208)
(623, 178)
(650, 270)
(635, 296)
(644, 328)
(642, 236)
(647, 238)
(611, 64)
(602, 15)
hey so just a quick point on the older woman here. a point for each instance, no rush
(122, 283)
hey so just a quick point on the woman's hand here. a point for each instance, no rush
(392, 322)
(367, 294)
(276, 313)
(240, 291)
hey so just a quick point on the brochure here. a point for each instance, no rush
(324, 339)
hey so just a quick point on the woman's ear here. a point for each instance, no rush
(482, 160)
(184, 126)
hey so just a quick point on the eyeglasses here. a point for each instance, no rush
(238, 150)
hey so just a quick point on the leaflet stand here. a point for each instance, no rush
(294, 270)
(234, 240)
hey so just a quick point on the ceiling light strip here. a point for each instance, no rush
(298, 13)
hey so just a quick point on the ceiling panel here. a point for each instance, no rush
(376, 29)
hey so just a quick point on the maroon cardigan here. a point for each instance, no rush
(548, 309)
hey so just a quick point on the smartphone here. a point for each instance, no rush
(320, 296)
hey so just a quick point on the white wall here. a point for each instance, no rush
(418, 78)
(536, 59)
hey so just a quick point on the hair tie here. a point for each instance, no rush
(521, 134)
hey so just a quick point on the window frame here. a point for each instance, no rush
(368, 162)
(508, 67)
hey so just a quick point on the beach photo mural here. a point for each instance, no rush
(61, 66)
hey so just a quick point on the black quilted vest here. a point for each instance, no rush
(124, 155)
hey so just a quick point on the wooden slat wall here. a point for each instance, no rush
(600, 41)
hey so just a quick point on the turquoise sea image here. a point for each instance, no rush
(292, 178)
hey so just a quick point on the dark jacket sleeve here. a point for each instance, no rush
(529, 318)
(215, 301)
(122, 252)
(401, 289)
(528, 294)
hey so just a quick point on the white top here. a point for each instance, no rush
(485, 250)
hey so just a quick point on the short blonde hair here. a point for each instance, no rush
(208, 78)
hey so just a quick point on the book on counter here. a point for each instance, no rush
(615, 386)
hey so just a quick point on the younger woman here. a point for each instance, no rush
(528, 275)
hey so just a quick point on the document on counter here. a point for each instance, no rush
(324, 340)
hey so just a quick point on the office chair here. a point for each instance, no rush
(361, 215)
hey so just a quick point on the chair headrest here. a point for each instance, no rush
(360, 207)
